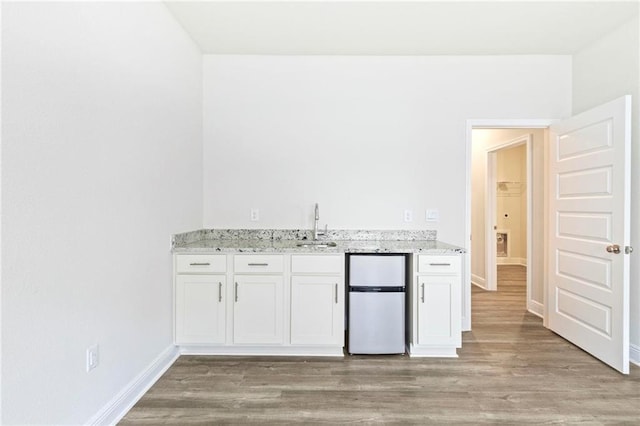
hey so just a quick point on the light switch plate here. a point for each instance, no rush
(432, 215)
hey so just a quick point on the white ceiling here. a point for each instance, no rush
(398, 27)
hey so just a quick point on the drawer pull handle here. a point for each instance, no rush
(200, 264)
(439, 264)
(236, 292)
(258, 264)
(219, 291)
(422, 297)
(336, 293)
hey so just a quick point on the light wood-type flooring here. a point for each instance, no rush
(511, 370)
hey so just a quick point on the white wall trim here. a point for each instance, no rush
(536, 308)
(522, 261)
(479, 281)
(634, 354)
(120, 404)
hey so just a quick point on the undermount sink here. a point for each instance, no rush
(320, 244)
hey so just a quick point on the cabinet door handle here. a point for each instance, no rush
(236, 292)
(219, 291)
(439, 264)
(200, 264)
(258, 264)
(422, 297)
(336, 293)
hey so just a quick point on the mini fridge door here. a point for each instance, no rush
(376, 323)
(377, 271)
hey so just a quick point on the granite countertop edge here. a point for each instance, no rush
(212, 246)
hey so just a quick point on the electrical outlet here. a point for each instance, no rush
(408, 216)
(255, 215)
(432, 215)
(93, 357)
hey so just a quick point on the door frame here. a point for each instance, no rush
(490, 208)
(490, 124)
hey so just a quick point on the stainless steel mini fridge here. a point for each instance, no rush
(376, 321)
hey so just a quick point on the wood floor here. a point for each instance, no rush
(511, 370)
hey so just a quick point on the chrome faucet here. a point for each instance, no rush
(317, 233)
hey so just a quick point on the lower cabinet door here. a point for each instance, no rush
(317, 310)
(200, 309)
(258, 309)
(439, 310)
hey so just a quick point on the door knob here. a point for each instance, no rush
(614, 248)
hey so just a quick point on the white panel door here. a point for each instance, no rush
(317, 310)
(588, 285)
(200, 309)
(258, 309)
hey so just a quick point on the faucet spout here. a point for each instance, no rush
(317, 233)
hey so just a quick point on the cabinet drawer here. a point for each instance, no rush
(302, 264)
(200, 263)
(258, 263)
(428, 264)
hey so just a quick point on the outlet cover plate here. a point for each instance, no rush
(93, 357)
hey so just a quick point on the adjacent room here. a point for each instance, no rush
(212, 211)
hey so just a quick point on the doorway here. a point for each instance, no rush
(494, 194)
(507, 202)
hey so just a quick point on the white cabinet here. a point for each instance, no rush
(260, 304)
(436, 303)
(258, 308)
(200, 309)
(436, 310)
(200, 295)
(317, 310)
(317, 300)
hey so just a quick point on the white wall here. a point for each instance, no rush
(603, 71)
(101, 162)
(366, 137)
(484, 140)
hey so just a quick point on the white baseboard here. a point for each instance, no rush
(536, 308)
(634, 354)
(478, 281)
(466, 324)
(522, 261)
(116, 409)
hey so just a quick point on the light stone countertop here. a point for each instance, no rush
(290, 246)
